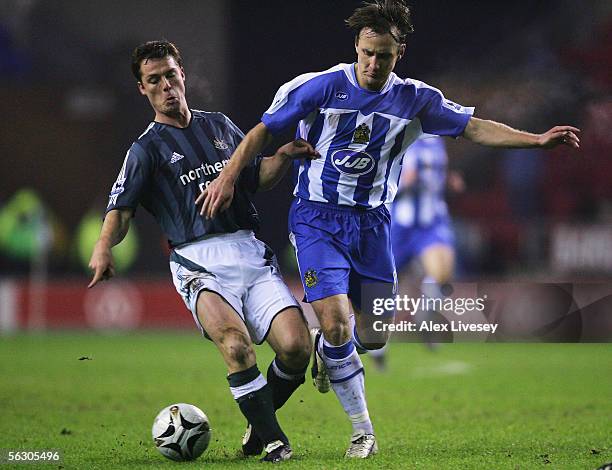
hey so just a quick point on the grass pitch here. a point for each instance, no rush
(464, 406)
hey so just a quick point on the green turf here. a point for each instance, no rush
(465, 406)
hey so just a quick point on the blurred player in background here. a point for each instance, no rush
(361, 118)
(228, 279)
(420, 224)
(421, 228)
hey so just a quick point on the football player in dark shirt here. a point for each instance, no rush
(228, 278)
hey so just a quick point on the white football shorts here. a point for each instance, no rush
(241, 269)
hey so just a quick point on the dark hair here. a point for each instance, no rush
(154, 50)
(382, 17)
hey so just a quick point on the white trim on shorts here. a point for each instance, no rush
(234, 266)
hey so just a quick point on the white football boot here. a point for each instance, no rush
(362, 446)
(320, 379)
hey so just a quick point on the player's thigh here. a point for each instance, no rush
(267, 297)
(439, 262)
(217, 316)
(319, 237)
(226, 329)
(333, 315)
(289, 337)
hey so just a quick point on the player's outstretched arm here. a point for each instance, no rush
(273, 168)
(496, 134)
(219, 194)
(115, 227)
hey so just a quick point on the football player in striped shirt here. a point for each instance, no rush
(361, 117)
(421, 228)
(228, 279)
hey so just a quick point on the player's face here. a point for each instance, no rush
(163, 82)
(377, 55)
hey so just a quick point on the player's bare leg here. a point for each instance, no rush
(227, 331)
(364, 333)
(345, 370)
(330, 321)
(248, 386)
(438, 262)
(289, 338)
(367, 339)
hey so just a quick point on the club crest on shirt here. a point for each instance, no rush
(361, 134)
(220, 144)
(310, 278)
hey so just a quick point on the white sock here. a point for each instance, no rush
(378, 352)
(345, 371)
(430, 288)
(361, 349)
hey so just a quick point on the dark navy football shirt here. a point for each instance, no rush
(167, 168)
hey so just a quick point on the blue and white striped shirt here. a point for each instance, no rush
(362, 135)
(421, 203)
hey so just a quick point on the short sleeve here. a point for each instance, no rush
(131, 181)
(294, 101)
(234, 131)
(249, 177)
(441, 116)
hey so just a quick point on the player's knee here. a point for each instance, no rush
(442, 276)
(441, 273)
(237, 347)
(296, 351)
(334, 320)
(336, 332)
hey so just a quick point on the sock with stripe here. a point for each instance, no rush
(379, 352)
(431, 289)
(345, 372)
(361, 349)
(359, 346)
(254, 397)
(283, 381)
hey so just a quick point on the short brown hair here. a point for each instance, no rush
(154, 50)
(382, 17)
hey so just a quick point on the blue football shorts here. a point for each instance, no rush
(339, 249)
(409, 242)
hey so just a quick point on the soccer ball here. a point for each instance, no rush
(181, 432)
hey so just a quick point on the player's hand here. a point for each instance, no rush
(298, 149)
(560, 135)
(217, 197)
(101, 263)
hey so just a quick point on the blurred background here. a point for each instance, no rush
(72, 109)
